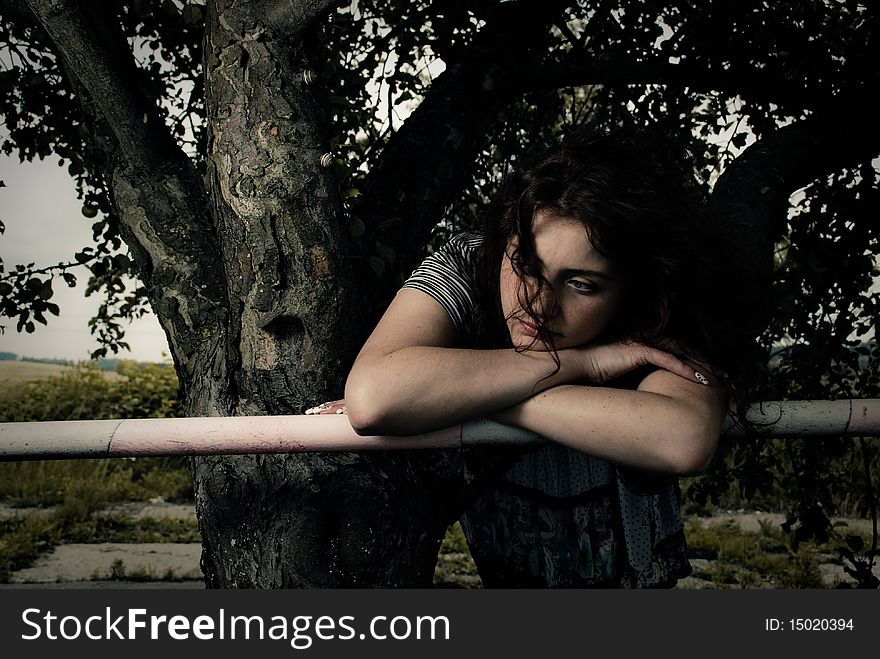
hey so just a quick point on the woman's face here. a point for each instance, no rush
(586, 287)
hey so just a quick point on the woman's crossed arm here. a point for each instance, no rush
(408, 379)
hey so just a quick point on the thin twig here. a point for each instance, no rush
(869, 493)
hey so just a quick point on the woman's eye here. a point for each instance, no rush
(581, 286)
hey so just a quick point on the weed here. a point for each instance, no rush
(455, 567)
(117, 570)
(118, 528)
(750, 560)
(52, 482)
(23, 539)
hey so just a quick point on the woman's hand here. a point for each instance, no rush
(603, 363)
(330, 407)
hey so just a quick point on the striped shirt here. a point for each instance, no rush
(448, 277)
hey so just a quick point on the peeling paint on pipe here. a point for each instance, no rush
(812, 418)
(320, 433)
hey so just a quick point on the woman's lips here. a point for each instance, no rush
(527, 328)
(531, 330)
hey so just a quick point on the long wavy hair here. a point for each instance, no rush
(636, 196)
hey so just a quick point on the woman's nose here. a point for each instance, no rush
(543, 301)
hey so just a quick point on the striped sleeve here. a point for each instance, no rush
(447, 276)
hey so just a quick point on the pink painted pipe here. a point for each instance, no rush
(261, 434)
(228, 435)
(318, 433)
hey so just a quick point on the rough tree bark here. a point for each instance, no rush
(297, 520)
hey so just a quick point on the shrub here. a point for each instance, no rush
(139, 391)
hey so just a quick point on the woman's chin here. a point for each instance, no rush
(525, 342)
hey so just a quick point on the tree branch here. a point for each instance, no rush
(293, 16)
(164, 211)
(110, 76)
(579, 69)
(17, 10)
(750, 199)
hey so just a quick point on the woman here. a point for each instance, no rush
(582, 311)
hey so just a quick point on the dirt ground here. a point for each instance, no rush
(176, 565)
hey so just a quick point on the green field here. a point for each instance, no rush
(15, 372)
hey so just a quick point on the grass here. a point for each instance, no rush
(739, 559)
(763, 559)
(22, 539)
(119, 528)
(71, 494)
(455, 567)
(42, 483)
(118, 572)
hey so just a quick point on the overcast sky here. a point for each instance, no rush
(44, 225)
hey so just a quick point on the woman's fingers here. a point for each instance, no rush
(673, 364)
(330, 407)
(611, 361)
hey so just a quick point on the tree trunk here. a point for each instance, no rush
(248, 274)
(331, 520)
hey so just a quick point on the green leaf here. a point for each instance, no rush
(46, 290)
(391, 221)
(121, 262)
(385, 252)
(84, 256)
(377, 265)
(855, 542)
(356, 228)
(192, 14)
(739, 140)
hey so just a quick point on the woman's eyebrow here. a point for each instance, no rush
(565, 272)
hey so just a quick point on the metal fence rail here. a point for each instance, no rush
(318, 433)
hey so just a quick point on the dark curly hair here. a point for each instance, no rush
(642, 209)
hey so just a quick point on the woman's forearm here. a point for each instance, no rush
(637, 429)
(421, 388)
